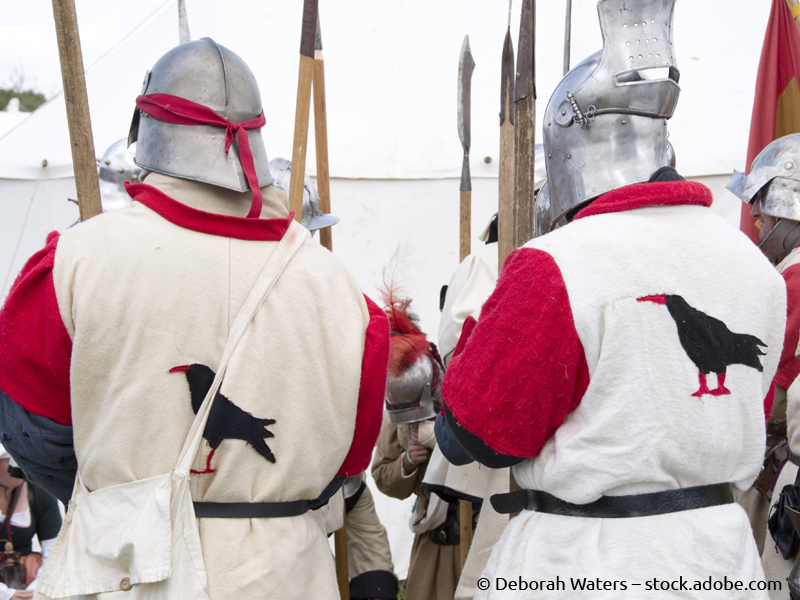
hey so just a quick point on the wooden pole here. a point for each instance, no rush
(465, 524)
(340, 547)
(524, 130)
(465, 214)
(524, 140)
(303, 107)
(321, 139)
(84, 162)
(305, 80)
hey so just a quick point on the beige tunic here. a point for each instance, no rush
(164, 296)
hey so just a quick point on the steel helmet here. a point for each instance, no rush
(605, 125)
(114, 169)
(208, 74)
(775, 174)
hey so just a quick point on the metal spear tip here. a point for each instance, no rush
(465, 67)
(507, 79)
(318, 42)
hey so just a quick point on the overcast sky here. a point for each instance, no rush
(28, 36)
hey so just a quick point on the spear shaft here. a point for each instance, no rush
(303, 106)
(321, 139)
(76, 100)
(524, 129)
(567, 37)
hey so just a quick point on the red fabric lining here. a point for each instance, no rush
(205, 222)
(180, 111)
(640, 195)
(35, 348)
(769, 401)
(370, 393)
(466, 332)
(523, 368)
(789, 365)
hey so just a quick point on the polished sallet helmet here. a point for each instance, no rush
(210, 75)
(775, 174)
(114, 169)
(312, 218)
(605, 125)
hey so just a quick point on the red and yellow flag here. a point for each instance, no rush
(776, 109)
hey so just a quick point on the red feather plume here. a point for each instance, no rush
(407, 342)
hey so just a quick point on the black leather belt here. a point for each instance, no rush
(617, 507)
(249, 510)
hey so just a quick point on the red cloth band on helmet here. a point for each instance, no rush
(180, 111)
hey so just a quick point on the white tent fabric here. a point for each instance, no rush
(395, 156)
(391, 73)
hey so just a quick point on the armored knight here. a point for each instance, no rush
(596, 368)
(773, 189)
(403, 453)
(112, 334)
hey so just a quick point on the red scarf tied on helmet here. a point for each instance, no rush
(180, 111)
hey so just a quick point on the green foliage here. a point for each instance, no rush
(401, 590)
(28, 99)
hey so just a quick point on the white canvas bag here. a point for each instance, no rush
(140, 539)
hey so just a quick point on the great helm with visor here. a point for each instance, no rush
(605, 124)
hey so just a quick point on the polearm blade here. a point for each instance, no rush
(303, 106)
(506, 175)
(567, 37)
(524, 129)
(465, 67)
(321, 138)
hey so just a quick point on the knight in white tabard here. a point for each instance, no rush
(112, 334)
(773, 188)
(610, 366)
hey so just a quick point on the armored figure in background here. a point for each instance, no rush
(403, 452)
(116, 168)
(773, 189)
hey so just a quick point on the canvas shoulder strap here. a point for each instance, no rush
(295, 236)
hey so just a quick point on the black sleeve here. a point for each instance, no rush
(47, 514)
(41, 447)
(452, 450)
(476, 447)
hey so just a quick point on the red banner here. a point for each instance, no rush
(776, 108)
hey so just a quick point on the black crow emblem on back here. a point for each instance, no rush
(709, 343)
(226, 421)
